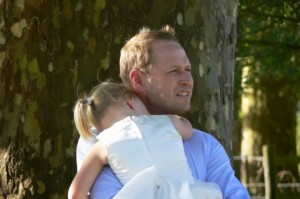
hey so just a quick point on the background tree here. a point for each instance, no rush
(51, 51)
(268, 54)
(212, 53)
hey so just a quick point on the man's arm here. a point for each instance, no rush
(209, 162)
(106, 185)
(219, 170)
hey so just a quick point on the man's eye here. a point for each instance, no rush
(172, 71)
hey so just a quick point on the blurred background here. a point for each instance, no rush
(245, 57)
(267, 91)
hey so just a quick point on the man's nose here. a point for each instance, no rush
(186, 78)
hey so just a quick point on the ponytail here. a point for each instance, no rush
(82, 116)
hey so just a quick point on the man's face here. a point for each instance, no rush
(168, 86)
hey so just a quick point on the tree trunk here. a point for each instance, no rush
(52, 51)
(211, 48)
(269, 117)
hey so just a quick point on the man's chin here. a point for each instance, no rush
(174, 109)
(182, 110)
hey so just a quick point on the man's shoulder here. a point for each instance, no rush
(86, 142)
(201, 139)
(198, 134)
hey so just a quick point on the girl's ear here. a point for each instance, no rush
(135, 78)
(129, 102)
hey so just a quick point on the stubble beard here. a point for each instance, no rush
(177, 109)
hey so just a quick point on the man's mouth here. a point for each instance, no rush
(183, 93)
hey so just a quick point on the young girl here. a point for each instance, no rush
(145, 151)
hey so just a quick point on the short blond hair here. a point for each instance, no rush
(136, 53)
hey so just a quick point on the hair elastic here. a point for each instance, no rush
(89, 101)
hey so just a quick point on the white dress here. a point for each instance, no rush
(146, 154)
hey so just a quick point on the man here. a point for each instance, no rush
(155, 65)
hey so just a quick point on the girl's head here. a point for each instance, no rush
(89, 111)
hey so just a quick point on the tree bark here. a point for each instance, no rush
(52, 51)
(212, 33)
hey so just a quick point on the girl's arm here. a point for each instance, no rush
(182, 125)
(91, 167)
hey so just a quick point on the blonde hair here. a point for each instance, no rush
(136, 53)
(89, 110)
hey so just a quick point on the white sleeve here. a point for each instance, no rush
(83, 147)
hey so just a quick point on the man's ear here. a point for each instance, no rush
(137, 82)
(135, 78)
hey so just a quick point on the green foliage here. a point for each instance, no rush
(269, 42)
